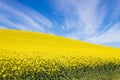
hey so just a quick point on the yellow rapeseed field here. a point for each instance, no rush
(36, 56)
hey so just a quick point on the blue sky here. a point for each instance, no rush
(96, 21)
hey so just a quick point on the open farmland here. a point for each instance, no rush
(37, 56)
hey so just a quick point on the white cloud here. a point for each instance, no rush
(111, 36)
(82, 15)
(84, 18)
(24, 17)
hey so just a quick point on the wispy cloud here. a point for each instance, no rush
(91, 20)
(82, 15)
(17, 16)
(110, 36)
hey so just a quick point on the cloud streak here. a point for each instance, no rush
(81, 15)
(110, 36)
(17, 16)
(91, 20)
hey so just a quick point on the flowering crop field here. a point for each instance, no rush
(36, 56)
